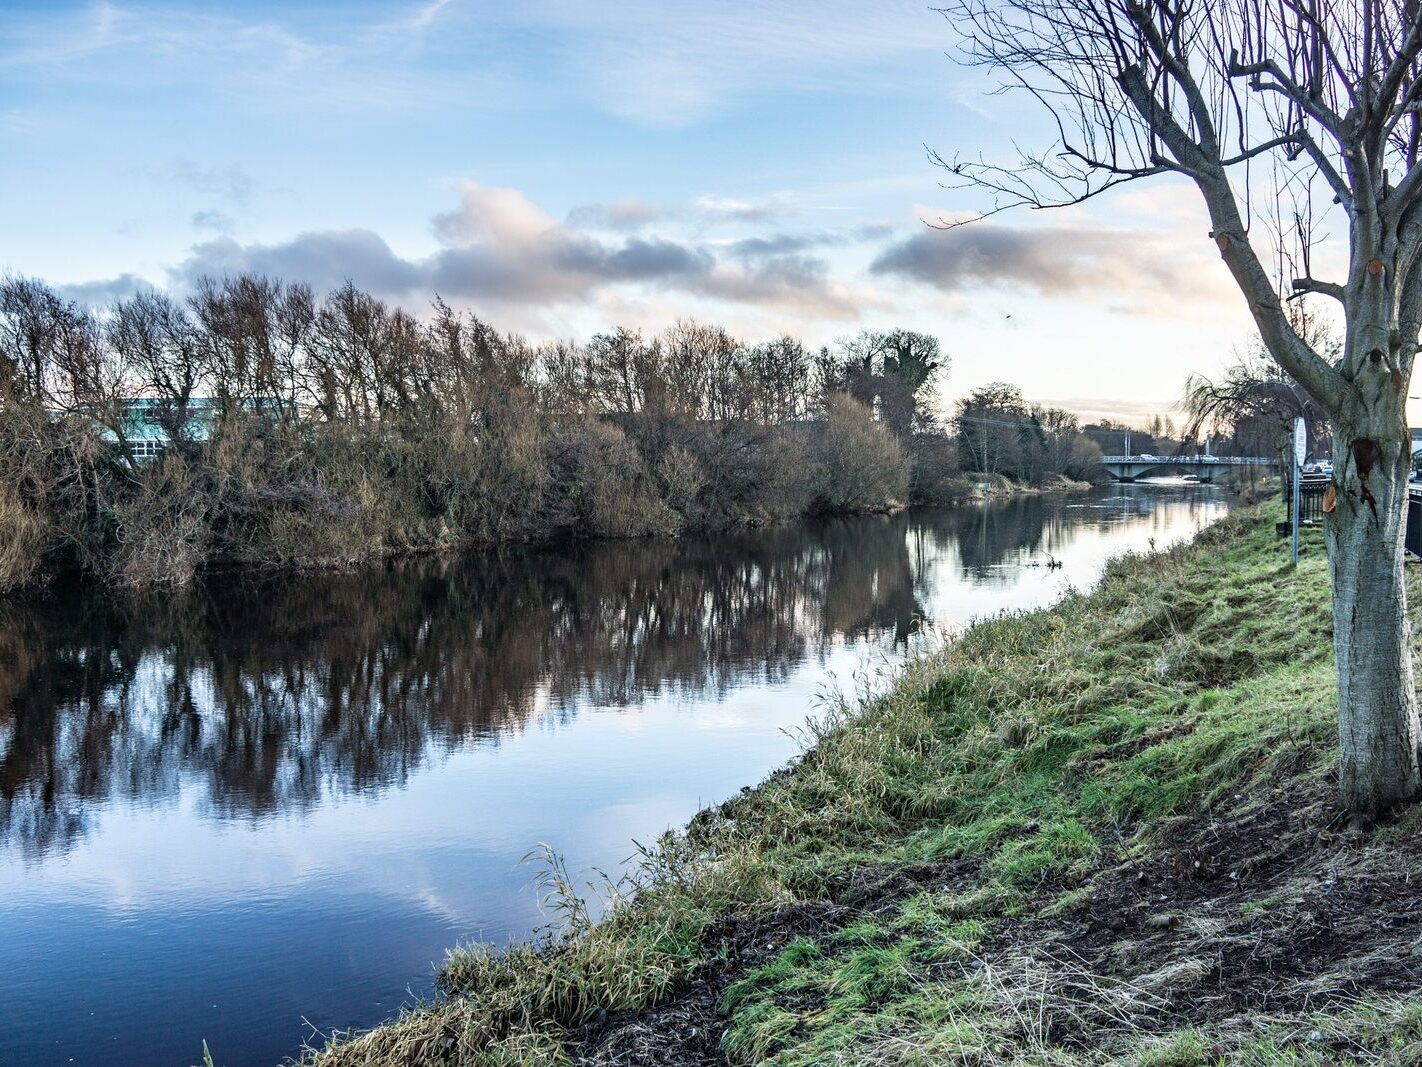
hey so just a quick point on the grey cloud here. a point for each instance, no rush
(779, 244)
(554, 267)
(1053, 261)
(499, 247)
(630, 213)
(640, 260)
(231, 183)
(323, 260)
(873, 231)
(796, 281)
(560, 265)
(797, 272)
(105, 291)
(211, 219)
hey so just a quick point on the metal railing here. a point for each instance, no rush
(1313, 487)
(1413, 538)
(1223, 461)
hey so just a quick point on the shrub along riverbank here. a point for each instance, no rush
(304, 431)
(1103, 832)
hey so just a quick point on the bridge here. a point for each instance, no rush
(1129, 468)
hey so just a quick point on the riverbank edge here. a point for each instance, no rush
(976, 487)
(1103, 832)
(962, 491)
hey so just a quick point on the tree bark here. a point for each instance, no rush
(1378, 729)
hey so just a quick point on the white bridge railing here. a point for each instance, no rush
(1223, 461)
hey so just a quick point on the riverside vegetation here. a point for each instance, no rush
(1103, 832)
(308, 431)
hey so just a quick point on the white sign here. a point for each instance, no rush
(1300, 442)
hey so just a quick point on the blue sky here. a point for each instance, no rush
(562, 167)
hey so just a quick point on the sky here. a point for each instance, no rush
(564, 167)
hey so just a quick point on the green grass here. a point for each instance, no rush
(1021, 760)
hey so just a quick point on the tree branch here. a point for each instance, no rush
(1380, 119)
(1304, 286)
(1293, 354)
(1341, 190)
(1286, 86)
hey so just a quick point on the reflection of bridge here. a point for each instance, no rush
(1129, 468)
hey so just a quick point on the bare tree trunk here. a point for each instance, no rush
(1378, 728)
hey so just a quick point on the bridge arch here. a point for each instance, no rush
(1163, 469)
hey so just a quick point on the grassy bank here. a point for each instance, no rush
(1098, 833)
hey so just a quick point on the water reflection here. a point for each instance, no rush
(275, 693)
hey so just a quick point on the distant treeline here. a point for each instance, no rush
(998, 433)
(255, 422)
(296, 430)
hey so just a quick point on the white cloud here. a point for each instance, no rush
(426, 14)
(726, 207)
(674, 62)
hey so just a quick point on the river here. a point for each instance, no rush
(264, 808)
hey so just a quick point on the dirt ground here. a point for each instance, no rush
(1274, 912)
(687, 1028)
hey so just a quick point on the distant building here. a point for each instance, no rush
(147, 423)
(1416, 439)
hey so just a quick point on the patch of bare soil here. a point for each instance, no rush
(686, 1029)
(1276, 911)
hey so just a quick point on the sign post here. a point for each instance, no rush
(1300, 454)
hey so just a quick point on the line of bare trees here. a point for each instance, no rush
(302, 429)
(1000, 434)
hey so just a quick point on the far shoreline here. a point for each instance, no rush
(965, 490)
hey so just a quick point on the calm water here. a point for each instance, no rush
(270, 806)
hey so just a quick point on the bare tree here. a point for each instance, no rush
(1255, 402)
(152, 333)
(992, 421)
(53, 356)
(256, 330)
(1253, 405)
(1322, 99)
(622, 370)
(780, 376)
(34, 324)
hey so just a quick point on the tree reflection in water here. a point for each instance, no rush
(266, 695)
